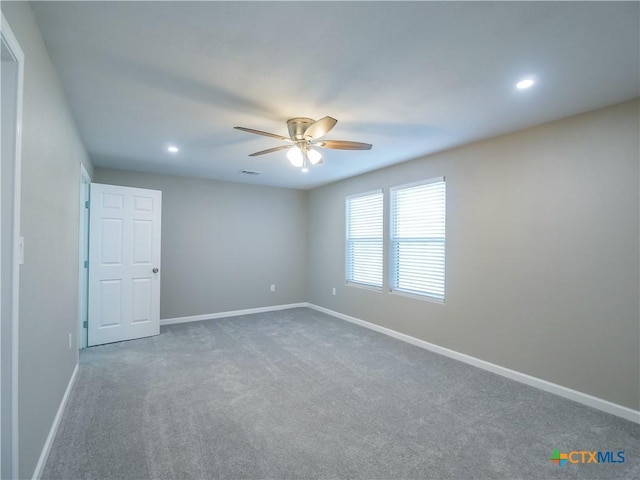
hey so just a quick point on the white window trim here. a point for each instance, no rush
(363, 286)
(390, 277)
(415, 184)
(351, 283)
(425, 297)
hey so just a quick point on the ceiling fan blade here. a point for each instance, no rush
(271, 150)
(320, 128)
(343, 145)
(266, 134)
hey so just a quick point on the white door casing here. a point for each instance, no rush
(83, 258)
(11, 254)
(124, 263)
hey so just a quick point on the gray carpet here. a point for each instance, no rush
(299, 394)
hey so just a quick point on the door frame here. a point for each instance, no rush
(83, 255)
(11, 43)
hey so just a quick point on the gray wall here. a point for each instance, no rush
(542, 253)
(51, 155)
(224, 244)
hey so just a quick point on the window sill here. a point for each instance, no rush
(424, 298)
(363, 286)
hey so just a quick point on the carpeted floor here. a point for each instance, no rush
(299, 394)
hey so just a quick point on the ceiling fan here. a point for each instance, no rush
(304, 135)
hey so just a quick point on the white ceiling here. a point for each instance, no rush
(412, 78)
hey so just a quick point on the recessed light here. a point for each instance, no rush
(172, 149)
(305, 170)
(526, 83)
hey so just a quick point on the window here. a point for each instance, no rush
(364, 249)
(418, 238)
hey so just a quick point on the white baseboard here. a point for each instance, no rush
(232, 313)
(44, 455)
(584, 398)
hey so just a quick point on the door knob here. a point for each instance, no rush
(155, 270)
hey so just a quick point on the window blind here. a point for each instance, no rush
(418, 238)
(364, 248)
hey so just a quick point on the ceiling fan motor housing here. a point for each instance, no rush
(297, 126)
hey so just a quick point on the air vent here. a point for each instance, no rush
(249, 172)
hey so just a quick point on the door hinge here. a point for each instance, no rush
(86, 204)
(86, 264)
(85, 324)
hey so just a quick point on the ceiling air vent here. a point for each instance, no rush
(249, 172)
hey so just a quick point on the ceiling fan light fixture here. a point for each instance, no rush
(295, 157)
(305, 161)
(303, 141)
(314, 156)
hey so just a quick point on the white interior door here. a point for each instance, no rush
(124, 263)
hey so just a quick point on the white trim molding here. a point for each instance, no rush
(46, 449)
(83, 255)
(11, 42)
(576, 396)
(232, 313)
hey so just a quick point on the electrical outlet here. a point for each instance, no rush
(69, 341)
(273, 287)
(333, 291)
